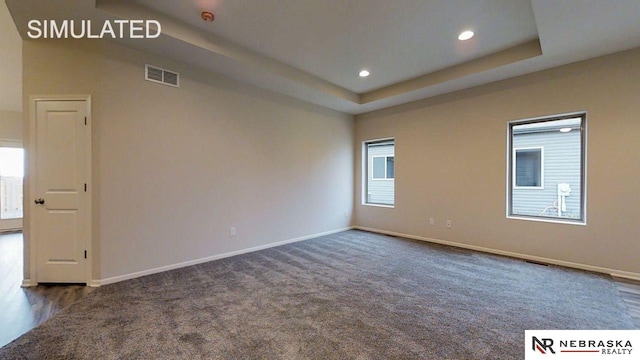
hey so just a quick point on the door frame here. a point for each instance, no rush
(29, 223)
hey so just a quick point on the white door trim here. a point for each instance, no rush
(31, 175)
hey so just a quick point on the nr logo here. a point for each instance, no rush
(543, 345)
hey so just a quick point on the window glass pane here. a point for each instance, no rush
(378, 168)
(11, 162)
(378, 172)
(547, 175)
(390, 169)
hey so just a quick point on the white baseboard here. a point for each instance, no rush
(625, 275)
(612, 272)
(28, 283)
(114, 279)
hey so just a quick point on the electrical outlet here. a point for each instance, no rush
(345, 214)
(432, 221)
(449, 224)
(232, 231)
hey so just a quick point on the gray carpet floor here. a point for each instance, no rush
(351, 295)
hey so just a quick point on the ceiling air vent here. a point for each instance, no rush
(162, 76)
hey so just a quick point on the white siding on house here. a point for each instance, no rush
(561, 165)
(379, 191)
(11, 197)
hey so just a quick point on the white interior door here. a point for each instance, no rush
(61, 205)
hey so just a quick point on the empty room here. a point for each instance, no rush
(285, 179)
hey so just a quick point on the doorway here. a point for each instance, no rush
(11, 185)
(59, 213)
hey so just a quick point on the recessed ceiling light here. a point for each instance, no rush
(364, 73)
(565, 130)
(465, 35)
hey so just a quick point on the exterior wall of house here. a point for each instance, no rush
(379, 191)
(561, 163)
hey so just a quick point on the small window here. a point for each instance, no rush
(379, 172)
(529, 168)
(546, 169)
(382, 167)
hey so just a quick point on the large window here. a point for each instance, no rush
(379, 172)
(546, 169)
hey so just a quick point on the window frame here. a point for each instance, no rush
(514, 157)
(365, 171)
(510, 168)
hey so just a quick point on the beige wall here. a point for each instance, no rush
(450, 164)
(175, 168)
(10, 64)
(10, 125)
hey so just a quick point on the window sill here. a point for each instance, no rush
(547, 220)
(379, 205)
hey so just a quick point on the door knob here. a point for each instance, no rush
(39, 201)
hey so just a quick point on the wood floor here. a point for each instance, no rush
(26, 308)
(630, 293)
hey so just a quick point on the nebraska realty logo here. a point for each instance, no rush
(581, 344)
(79, 29)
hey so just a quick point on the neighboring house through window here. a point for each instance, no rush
(383, 167)
(379, 172)
(529, 167)
(546, 173)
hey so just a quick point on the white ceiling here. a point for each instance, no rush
(334, 39)
(314, 49)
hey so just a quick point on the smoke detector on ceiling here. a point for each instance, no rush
(207, 16)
